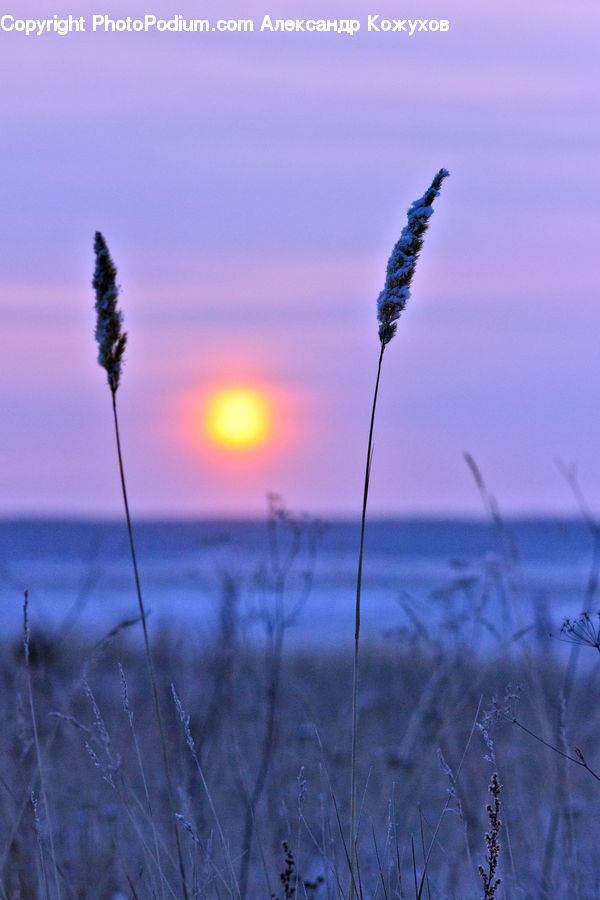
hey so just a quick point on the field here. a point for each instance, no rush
(258, 737)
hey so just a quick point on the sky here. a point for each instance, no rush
(250, 187)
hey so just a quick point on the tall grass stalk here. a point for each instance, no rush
(111, 346)
(390, 303)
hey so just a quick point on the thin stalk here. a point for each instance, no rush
(40, 765)
(151, 670)
(579, 760)
(353, 889)
(275, 659)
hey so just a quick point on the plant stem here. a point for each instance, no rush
(151, 670)
(353, 889)
(40, 766)
(274, 659)
(579, 760)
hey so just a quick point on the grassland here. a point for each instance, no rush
(258, 742)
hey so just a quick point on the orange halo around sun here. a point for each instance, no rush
(237, 418)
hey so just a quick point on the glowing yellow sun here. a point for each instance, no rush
(238, 418)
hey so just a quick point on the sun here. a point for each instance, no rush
(238, 418)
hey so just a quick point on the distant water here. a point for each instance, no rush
(465, 581)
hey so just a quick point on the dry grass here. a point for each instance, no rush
(108, 807)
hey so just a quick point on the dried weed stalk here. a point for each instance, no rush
(490, 882)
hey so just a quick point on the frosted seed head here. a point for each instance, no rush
(109, 320)
(402, 262)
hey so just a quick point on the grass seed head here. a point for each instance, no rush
(402, 262)
(109, 320)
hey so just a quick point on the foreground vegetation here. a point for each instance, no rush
(258, 748)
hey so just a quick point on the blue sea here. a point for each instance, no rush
(475, 583)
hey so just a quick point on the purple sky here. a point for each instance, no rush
(250, 188)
